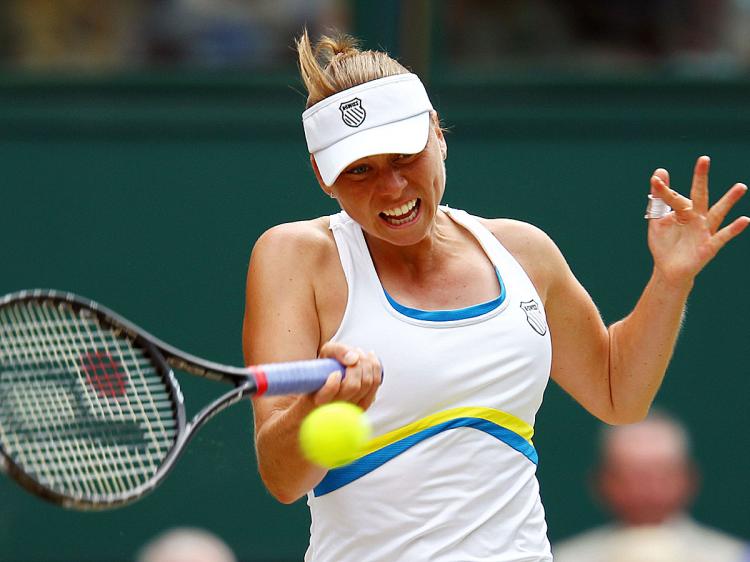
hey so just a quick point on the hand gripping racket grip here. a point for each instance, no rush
(294, 377)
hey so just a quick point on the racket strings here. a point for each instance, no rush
(79, 450)
(58, 464)
(82, 409)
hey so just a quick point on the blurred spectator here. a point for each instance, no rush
(697, 37)
(72, 34)
(736, 34)
(481, 33)
(186, 545)
(6, 32)
(648, 544)
(646, 479)
(243, 33)
(647, 27)
(116, 34)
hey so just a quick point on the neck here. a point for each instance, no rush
(420, 259)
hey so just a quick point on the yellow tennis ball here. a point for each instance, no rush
(333, 435)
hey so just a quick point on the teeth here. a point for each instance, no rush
(407, 213)
(402, 210)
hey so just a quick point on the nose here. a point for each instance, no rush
(391, 180)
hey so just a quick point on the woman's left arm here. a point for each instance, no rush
(615, 372)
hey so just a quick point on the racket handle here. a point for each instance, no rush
(294, 377)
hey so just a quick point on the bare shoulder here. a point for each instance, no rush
(300, 236)
(533, 249)
(519, 236)
(295, 258)
(288, 264)
(305, 246)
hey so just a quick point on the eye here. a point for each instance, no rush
(358, 170)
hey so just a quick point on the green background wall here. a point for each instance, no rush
(147, 193)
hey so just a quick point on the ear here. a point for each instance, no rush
(327, 190)
(439, 134)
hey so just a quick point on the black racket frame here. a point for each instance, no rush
(165, 359)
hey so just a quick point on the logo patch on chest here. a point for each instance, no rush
(535, 316)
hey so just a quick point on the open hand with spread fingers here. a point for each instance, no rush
(684, 240)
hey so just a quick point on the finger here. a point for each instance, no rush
(721, 208)
(351, 358)
(351, 387)
(329, 390)
(729, 232)
(368, 399)
(663, 175)
(699, 189)
(679, 203)
(343, 353)
(377, 380)
(373, 377)
(367, 382)
(377, 366)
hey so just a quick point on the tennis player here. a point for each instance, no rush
(469, 316)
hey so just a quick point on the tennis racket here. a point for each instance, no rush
(91, 414)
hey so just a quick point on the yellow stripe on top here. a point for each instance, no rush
(498, 417)
(504, 426)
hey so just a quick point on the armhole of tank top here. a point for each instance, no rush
(337, 226)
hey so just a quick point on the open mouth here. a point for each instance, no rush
(406, 213)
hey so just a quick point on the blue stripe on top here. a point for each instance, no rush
(456, 314)
(338, 477)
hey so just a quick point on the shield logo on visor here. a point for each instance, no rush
(535, 316)
(352, 112)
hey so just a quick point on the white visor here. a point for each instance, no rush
(385, 116)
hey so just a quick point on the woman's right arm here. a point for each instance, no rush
(281, 323)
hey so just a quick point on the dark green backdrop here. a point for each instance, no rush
(147, 193)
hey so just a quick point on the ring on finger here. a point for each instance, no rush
(656, 208)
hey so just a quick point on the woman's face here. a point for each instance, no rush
(394, 197)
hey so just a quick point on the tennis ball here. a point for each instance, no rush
(332, 435)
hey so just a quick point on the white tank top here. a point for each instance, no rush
(451, 473)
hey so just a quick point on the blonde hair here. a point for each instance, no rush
(335, 64)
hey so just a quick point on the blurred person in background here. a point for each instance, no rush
(72, 34)
(114, 35)
(186, 545)
(691, 37)
(696, 37)
(231, 33)
(647, 479)
(482, 33)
